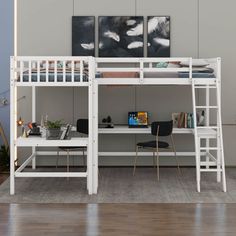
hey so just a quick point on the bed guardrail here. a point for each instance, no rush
(173, 70)
(52, 71)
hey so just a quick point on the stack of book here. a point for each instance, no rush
(183, 120)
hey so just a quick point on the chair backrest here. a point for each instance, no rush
(82, 126)
(165, 128)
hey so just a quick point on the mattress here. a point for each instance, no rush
(197, 73)
(122, 74)
(51, 77)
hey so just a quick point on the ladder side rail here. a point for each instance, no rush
(220, 156)
(196, 139)
(207, 120)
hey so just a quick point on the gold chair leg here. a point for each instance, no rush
(57, 158)
(67, 162)
(84, 160)
(176, 158)
(154, 160)
(158, 171)
(135, 160)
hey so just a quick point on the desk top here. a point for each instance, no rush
(124, 129)
(37, 141)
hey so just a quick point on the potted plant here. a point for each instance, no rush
(53, 128)
(4, 158)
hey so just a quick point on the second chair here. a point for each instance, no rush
(158, 129)
(82, 128)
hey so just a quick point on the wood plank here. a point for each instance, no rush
(117, 219)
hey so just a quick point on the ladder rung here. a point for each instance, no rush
(203, 107)
(207, 163)
(205, 86)
(207, 127)
(209, 148)
(210, 170)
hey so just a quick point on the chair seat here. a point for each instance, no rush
(69, 147)
(152, 144)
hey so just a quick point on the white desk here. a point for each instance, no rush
(124, 129)
(36, 141)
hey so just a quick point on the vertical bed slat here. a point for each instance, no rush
(141, 71)
(47, 67)
(21, 70)
(55, 71)
(81, 71)
(30, 70)
(64, 71)
(38, 71)
(73, 71)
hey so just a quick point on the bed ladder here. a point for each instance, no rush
(209, 150)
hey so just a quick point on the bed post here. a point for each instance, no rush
(90, 136)
(95, 127)
(13, 114)
(34, 120)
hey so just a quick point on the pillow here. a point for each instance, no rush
(161, 65)
(174, 64)
(196, 63)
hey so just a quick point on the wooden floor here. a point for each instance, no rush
(117, 219)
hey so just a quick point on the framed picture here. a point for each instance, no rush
(158, 38)
(83, 36)
(120, 36)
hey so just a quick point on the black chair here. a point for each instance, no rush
(158, 129)
(82, 128)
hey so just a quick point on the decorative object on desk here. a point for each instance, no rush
(108, 122)
(175, 118)
(158, 36)
(34, 129)
(83, 36)
(120, 36)
(4, 158)
(20, 122)
(42, 121)
(53, 128)
(24, 132)
(201, 120)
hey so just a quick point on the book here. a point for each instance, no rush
(181, 120)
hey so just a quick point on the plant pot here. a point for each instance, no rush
(53, 132)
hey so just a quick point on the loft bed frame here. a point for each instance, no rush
(95, 72)
(148, 73)
(57, 72)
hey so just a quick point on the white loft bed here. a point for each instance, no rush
(146, 71)
(94, 72)
(57, 72)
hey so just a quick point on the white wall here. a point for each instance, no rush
(201, 28)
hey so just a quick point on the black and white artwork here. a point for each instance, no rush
(158, 40)
(120, 36)
(83, 36)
